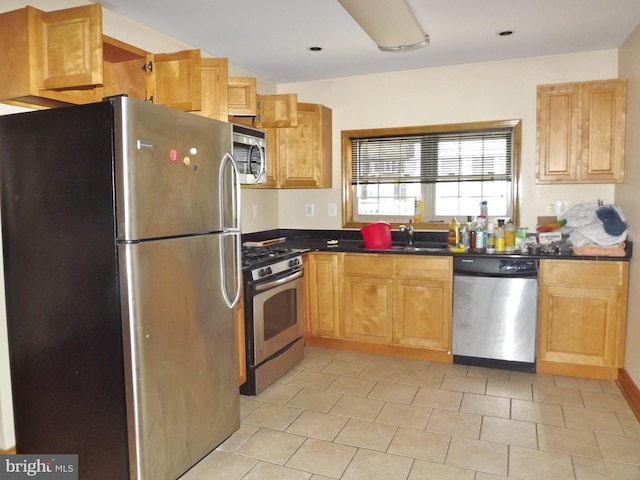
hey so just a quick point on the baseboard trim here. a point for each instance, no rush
(630, 391)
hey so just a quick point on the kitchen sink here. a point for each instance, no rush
(422, 247)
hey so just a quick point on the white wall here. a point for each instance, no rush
(627, 194)
(465, 93)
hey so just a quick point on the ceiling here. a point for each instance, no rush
(270, 38)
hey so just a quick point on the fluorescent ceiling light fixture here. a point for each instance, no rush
(390, 23)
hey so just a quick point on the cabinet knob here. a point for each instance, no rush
(148, 67)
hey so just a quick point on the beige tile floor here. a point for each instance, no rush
(353, 416)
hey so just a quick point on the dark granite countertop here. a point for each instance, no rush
(428, 243)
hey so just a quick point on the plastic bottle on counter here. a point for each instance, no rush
(465, 234)
(453, 239)
(472, 237)
(480, 240)
(418, 209)
(483, 209)
(509, 237)
(491, 238)
(500, 236)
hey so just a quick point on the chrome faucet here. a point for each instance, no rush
(409, 232)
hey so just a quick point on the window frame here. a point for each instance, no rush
(346, 151)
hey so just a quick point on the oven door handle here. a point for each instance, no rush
(265, 286)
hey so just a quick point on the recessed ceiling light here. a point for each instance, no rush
(314, 49)
(505, 33)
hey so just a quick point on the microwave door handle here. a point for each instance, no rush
(263, 161)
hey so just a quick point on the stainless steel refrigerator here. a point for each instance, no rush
(121, 241)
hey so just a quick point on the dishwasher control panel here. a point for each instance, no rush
(517, 266)
(495, 266)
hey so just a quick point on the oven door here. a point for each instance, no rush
(277, 313)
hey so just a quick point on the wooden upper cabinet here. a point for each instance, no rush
(277, 110)
(173, 79)
(54, 57)
(69, 46)
(242, 96)
(123, 72)
(581, 132)
(304, 151)
(214, 74)
(603, 131)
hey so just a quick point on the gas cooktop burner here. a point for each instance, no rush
(258, 256)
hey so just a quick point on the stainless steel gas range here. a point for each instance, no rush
(274, 313)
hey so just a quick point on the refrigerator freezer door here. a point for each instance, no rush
(167, 171)
(182, 397)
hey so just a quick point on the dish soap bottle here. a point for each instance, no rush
(453, 239)
(509, 237)
(500, 236)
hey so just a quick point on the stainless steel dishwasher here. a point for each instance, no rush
(495, 311)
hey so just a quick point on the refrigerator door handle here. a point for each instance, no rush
(233, 230)
(233, 196)
(231, 302)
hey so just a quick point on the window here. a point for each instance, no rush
(452, 168)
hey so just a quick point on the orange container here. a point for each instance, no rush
(377, 235)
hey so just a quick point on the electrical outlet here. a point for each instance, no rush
(256, 211)
(309, 209)
(332, 210)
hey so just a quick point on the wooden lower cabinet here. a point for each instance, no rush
(389, 304)
(582, 317)
(323, 294)
(368, 297)
(423, 302)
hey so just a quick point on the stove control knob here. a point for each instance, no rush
(269, 271)
(294, 262)
(261, 272)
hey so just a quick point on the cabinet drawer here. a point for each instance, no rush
(582, 273)
(368, 264)
(413, 266)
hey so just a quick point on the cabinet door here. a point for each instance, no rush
(323, 294)
(277, 110)
(579, 325)
(582, 312)
(241, 93)
(603, 131)
(240, 337)
(558, 139)
(368, 309)
(123, 72)
(69, 46)
(214, 74)
(304, 155)
(174, 79)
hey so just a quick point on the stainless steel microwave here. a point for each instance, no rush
(250, 153)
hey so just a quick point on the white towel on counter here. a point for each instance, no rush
(585, 228)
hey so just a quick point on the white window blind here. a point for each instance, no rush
(480, 155)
